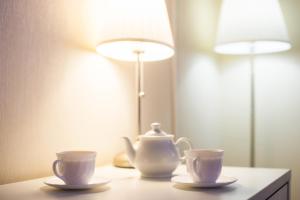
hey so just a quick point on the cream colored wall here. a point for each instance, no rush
(277, 100)
(213, 102)
(278, 113)
(57, 94)
(278, 103)
(158, 103)
(235, 109)
(206, 110)
(197, 97)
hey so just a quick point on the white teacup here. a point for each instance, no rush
(204, 165)
(75, 167)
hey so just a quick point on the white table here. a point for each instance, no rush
(253, 183)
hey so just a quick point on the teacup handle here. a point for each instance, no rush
(187, 142)
(56, 170)
(195, 164)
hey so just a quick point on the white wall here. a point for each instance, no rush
(197, 84)
(158, 103)
(57, 94)
(235, 109)
(208, 99)
(277, 101)
(213, 92)
(278, 113)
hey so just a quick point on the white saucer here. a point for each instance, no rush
(58, 183)
(187, 181)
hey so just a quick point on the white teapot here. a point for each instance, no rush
(156, 155)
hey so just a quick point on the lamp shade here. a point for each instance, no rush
(251, 27)
(136, 26)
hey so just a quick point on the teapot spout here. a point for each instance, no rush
(130, 151)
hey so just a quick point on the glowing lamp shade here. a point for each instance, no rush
(251, 27)
(136, 26)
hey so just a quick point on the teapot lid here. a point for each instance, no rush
(156, 133)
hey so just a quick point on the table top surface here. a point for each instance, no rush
(253, 183)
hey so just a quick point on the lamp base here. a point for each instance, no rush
(121, 160)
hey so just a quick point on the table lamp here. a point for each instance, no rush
(249, 27)
(136, 30)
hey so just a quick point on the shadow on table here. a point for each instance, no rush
(68, 193)
(218, 190)
(168, 179)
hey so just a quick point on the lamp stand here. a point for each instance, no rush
(252, 111)
(140, 87)
(121, 159)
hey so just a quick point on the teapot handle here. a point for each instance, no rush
(188, 144)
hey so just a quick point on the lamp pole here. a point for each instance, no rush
(252, 108)
(140, 87)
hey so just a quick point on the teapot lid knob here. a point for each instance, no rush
(155, 126)
(155, 130)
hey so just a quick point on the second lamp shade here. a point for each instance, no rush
(251, 27)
